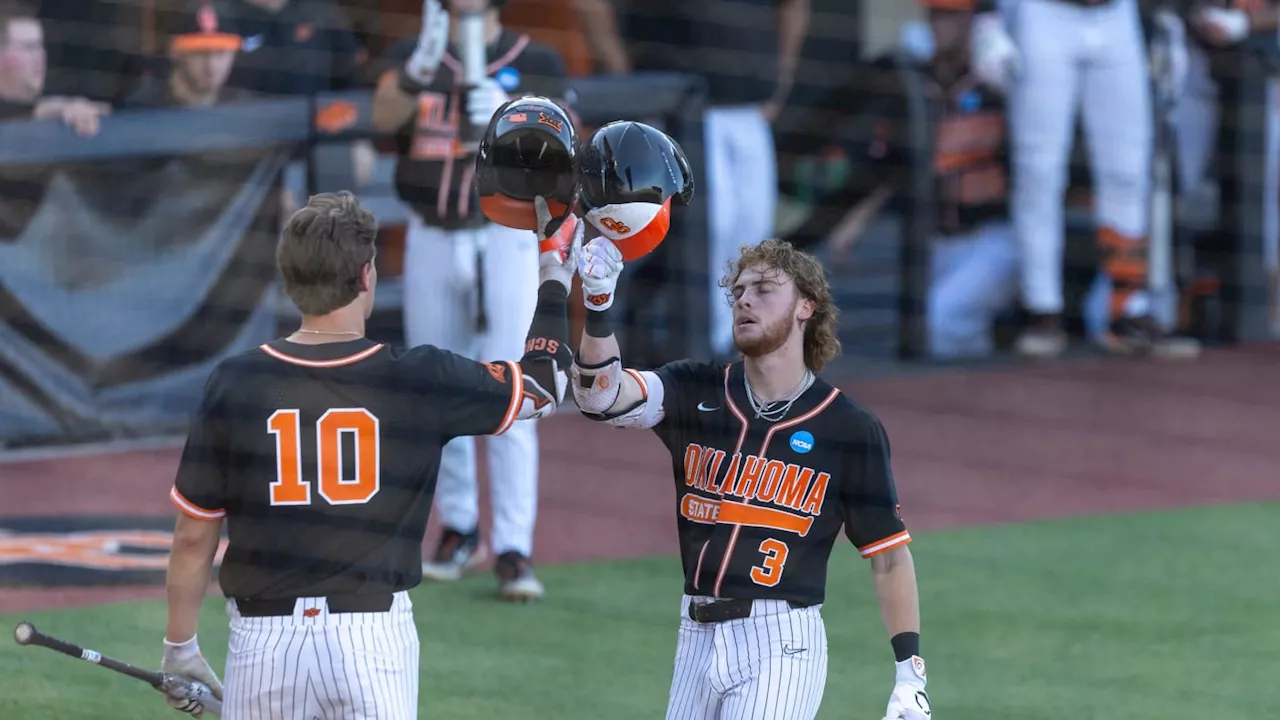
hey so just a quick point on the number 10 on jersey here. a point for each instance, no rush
(290, 488)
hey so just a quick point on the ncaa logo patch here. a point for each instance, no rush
(801, 441)
(508, 77)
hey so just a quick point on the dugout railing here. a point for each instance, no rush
(670, 101)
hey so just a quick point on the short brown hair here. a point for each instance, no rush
(820, 341)
(323, 250)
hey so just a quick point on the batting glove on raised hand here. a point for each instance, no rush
(1222, 26)
(909, 701)
(185, 660)
(559, 243)
(599, 266)
(996, 59)
(483, 100)
(433, 38)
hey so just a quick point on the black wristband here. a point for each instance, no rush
(599, 323)
(905, 645)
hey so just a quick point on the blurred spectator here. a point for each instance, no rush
(201, 57)
(96, 48)
(973, 257)
(293, 47)
(1085, 56)
(748, 51)
(23, 65)
(584, 32)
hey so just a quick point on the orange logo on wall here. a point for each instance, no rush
(336, 117)
(119, 550)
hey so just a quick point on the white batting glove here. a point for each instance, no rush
(1229, 24)
(483, 101)
(599, 266)
(558, 250)
(996, 59)
(185, 660)
(433, 38)
(909, 701)
(191, 697)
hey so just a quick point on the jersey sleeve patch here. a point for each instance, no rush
(193, 510)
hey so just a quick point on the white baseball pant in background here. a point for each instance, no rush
(742, 196)
(974, 277)
(314, 664)
(440, 304)
(769, 666)
(1092, 59)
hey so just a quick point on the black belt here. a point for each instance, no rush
(725, 610)
(283, 607)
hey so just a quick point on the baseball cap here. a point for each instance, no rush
(196, 29)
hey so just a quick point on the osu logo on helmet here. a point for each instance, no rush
(629, 173)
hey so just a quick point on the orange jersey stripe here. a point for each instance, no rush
(736, 513)
(338, 362)
(191, 509)
(888, 543)
(517, 397)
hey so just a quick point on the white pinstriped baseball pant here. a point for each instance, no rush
(769, 666)
(340, 666)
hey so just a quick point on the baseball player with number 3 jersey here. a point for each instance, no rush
(320, 451)
(769, 462)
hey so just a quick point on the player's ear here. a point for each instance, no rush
(804, 309)
(367, 276)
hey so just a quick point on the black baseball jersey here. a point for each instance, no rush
(323, 460)
(760, 504)
(434, 174)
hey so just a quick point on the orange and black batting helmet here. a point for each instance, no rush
(630, 173)
(528, 150)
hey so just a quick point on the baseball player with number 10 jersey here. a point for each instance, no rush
(769, 463)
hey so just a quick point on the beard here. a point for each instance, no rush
(768, 338)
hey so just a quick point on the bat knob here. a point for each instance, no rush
(23, 633)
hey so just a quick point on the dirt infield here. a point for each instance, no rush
(987, 446)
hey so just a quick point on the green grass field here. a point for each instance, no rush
(1162, 616)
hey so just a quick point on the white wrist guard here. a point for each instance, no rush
(911, 672)
(595, 389)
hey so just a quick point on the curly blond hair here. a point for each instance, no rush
(820, 342)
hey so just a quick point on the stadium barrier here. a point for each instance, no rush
(147, 253)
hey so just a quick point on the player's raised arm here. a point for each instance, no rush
(603, 389)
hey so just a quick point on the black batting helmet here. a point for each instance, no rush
(629, 173)
(527, 150)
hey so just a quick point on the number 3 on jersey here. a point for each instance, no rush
(769, 572)
(291, 489)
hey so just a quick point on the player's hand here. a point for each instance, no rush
(559, 244)
(599, 266)
(433, 38)
(996, 59)
(909, 700)
(186, 660)
(1221, 26)
(483, 100)
(191, 697)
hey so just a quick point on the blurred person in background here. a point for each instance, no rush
(1226, 25)
(22, 83)
(98, 48)
(584, 32)
(1065, 56)
(23, 68)
(460, 268)
(973, 255)
(293, 47)
(748, 51)
(202, 54)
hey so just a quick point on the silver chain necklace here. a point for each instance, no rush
(775, 410)
(329, 332)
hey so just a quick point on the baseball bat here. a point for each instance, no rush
(26, 634)
(471, 43)
(1160, 210)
